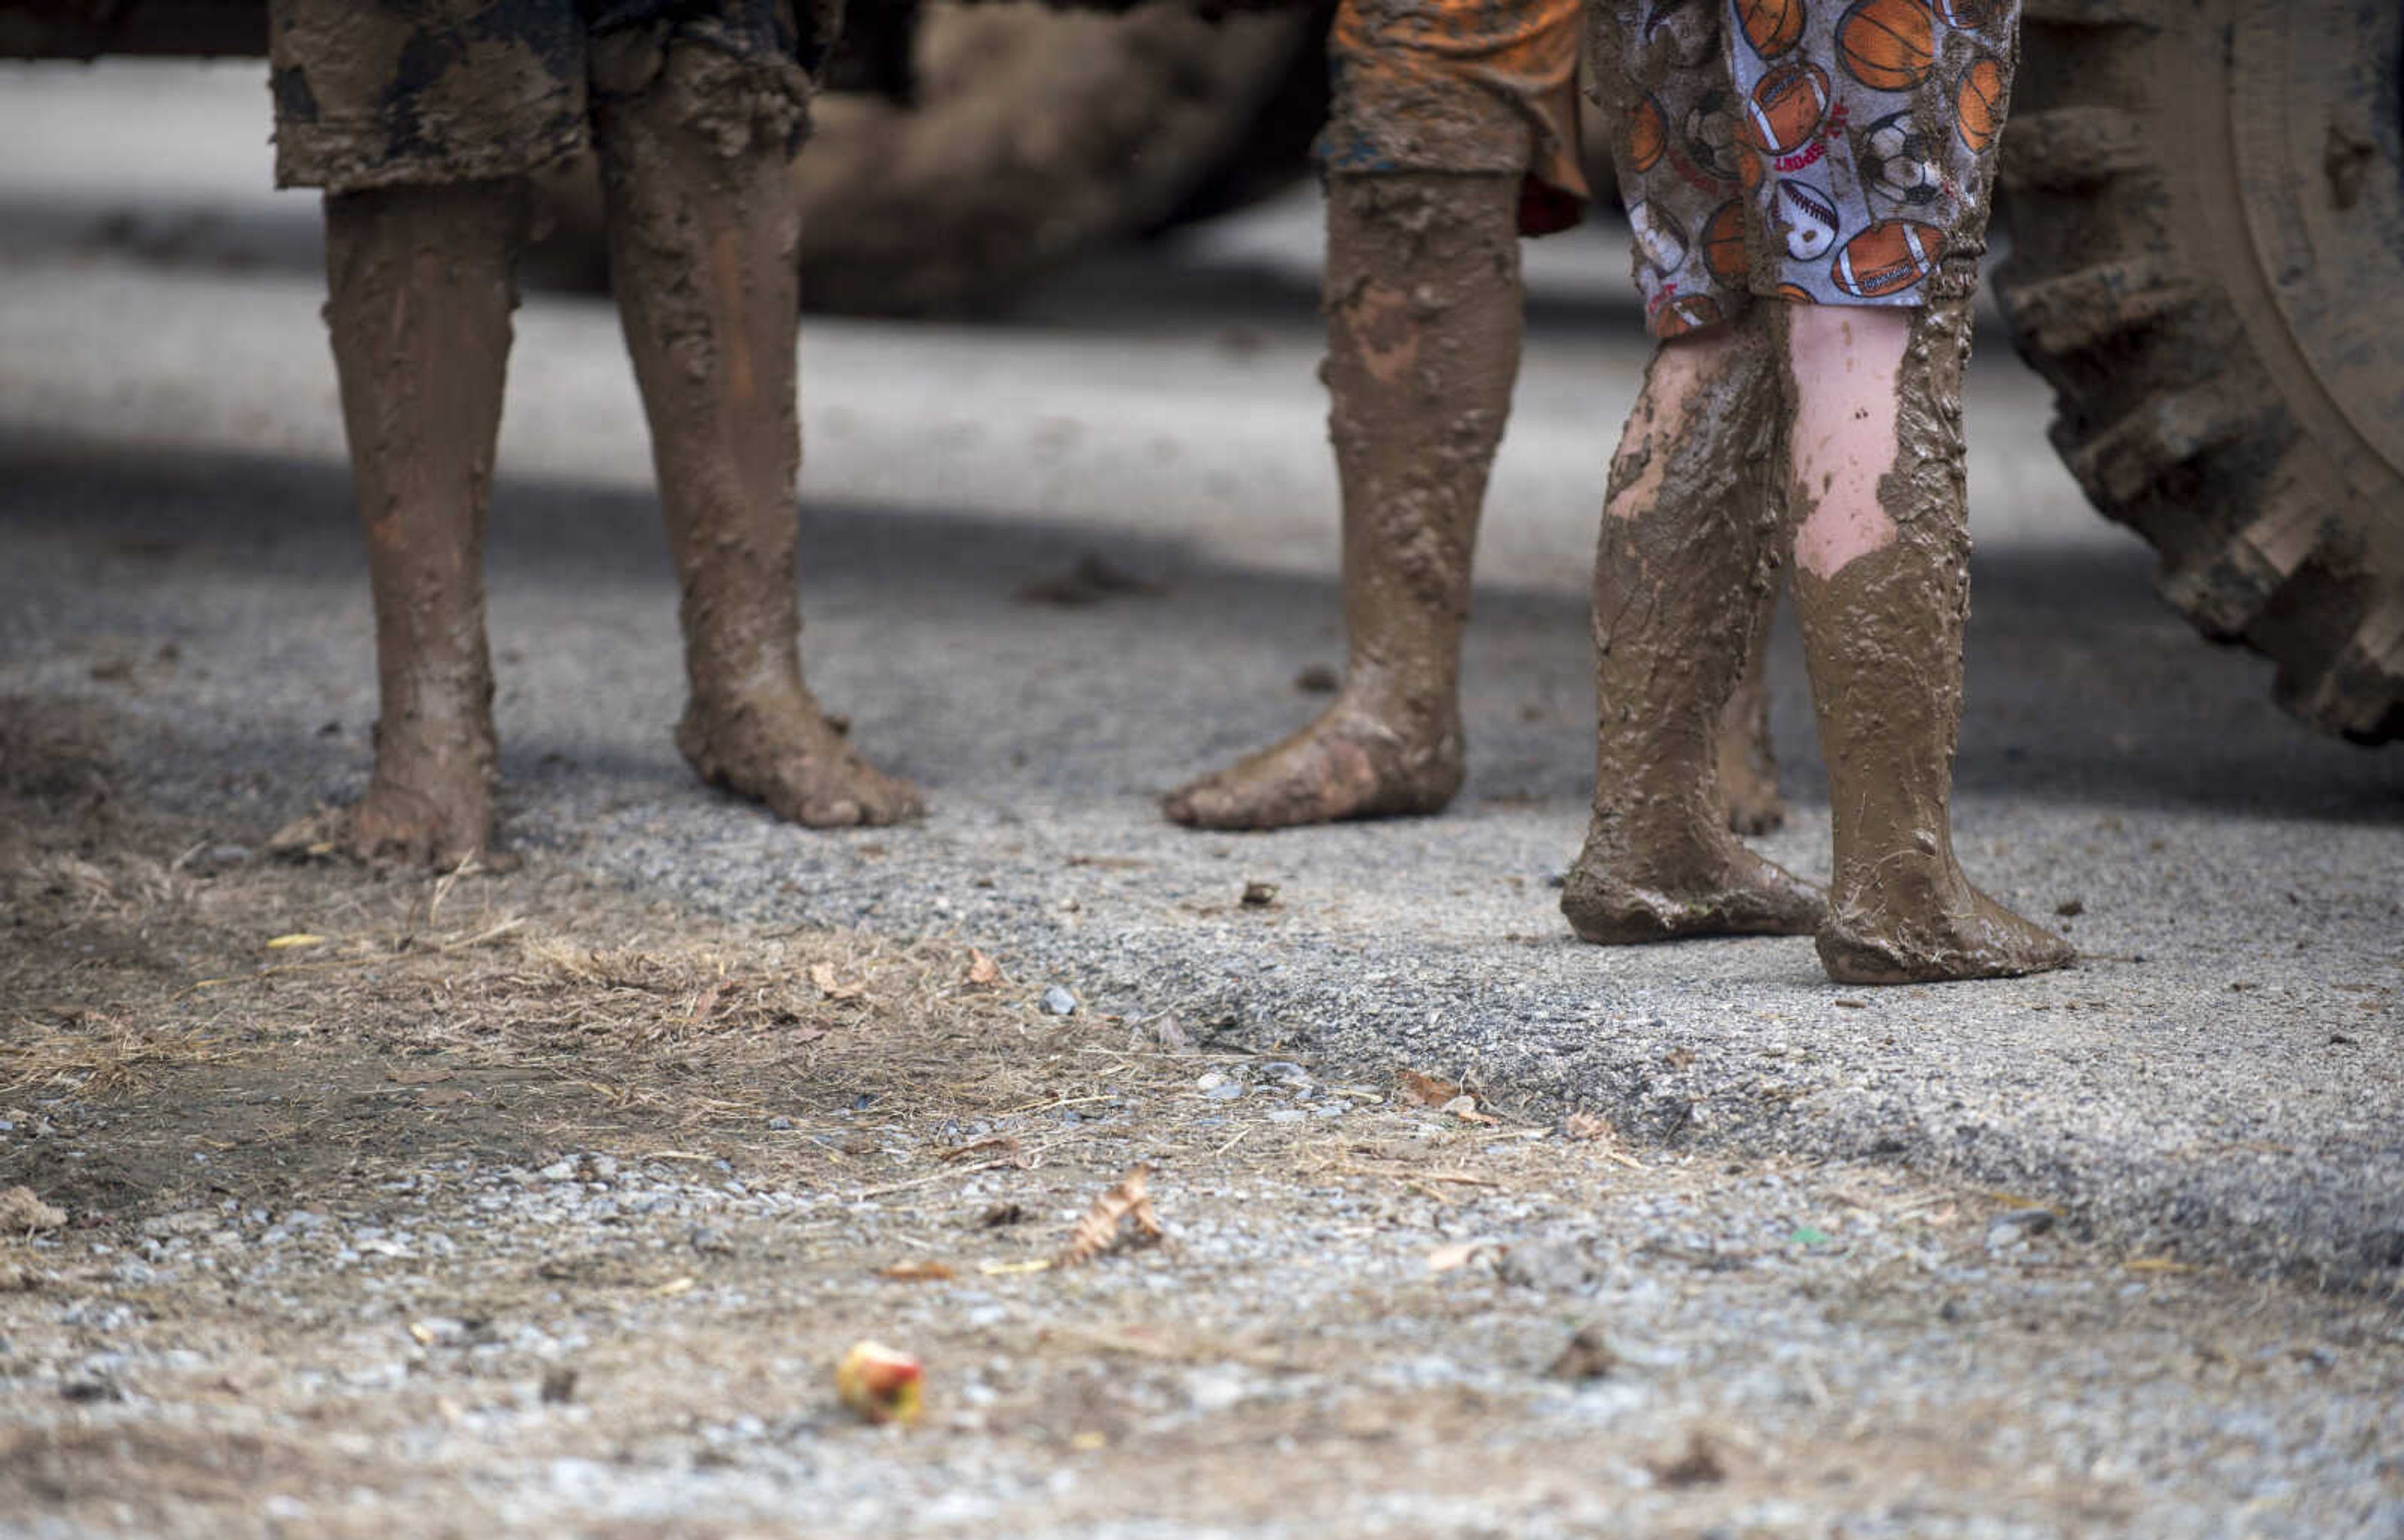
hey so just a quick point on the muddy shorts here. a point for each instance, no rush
(1460, 86)
(1817, 152)
(379, 92)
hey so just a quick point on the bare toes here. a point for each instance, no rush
(1347, 764)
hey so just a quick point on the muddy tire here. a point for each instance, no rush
(2207, 205)
(1038, 134)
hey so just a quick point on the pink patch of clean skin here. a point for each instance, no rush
(1659, 419)
(1846, 359)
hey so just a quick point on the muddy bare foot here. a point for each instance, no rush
(1754, 804)
(1890, 936)
(778, 748)
(425, 809)
(1724, 890)
(1351, 763)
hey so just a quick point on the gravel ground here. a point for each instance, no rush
(528, 1205)
(2222, 1076)
(369, 1369)
(1993, 1260)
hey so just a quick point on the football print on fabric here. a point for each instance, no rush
(1787, 108)
(1887, 259)
(1686, 313)
(1969, 14)
(1658, 237)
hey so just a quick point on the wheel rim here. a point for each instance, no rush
(2318, 134)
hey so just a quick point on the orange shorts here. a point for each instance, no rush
(1460, 86)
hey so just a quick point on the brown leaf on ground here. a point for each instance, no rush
(1091, 580)
(311, 834)
(21, 1211)
(1585, 1356)
(1586, 1125)
(1699, 1465)
(1464, 1107)
(1000, 1150)
(1099, 1231)
(823, 976)
(917, 1272)
(983, 973)
(1419, 1090)
(1460, 1254)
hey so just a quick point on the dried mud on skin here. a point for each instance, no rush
(520, 1203)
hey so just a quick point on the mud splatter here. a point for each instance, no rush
(1883, 634)
(1684, 572)
(420, 296)
(704, 226)
(1423, 326)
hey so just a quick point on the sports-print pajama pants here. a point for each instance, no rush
(1816, 151)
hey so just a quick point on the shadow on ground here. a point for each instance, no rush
(2084, 686)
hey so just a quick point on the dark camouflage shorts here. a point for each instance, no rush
(378, 92)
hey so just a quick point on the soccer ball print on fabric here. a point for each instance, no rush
(1901, 165)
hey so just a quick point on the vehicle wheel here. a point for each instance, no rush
(1037, 135)
(2206, 201)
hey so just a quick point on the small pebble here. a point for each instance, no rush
(1058, 1002)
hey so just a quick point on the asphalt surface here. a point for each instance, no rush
(2222, 1078)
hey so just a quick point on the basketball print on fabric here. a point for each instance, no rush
(1787, 108)
(1648, 135)
(1771, 27)
(1901, 165)
(1887, 45)
(1658, 237)
(1806, 218)
(1979, 103)
(1887, 259)
(1724, 243)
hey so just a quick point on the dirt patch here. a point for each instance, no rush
(518, 1200)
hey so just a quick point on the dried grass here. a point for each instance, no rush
(118, 965)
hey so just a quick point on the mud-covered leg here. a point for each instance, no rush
(419, 300)
(1883, 586)
(702, 224)
(1687, 554)
(1423, 325)
(1748, 768)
